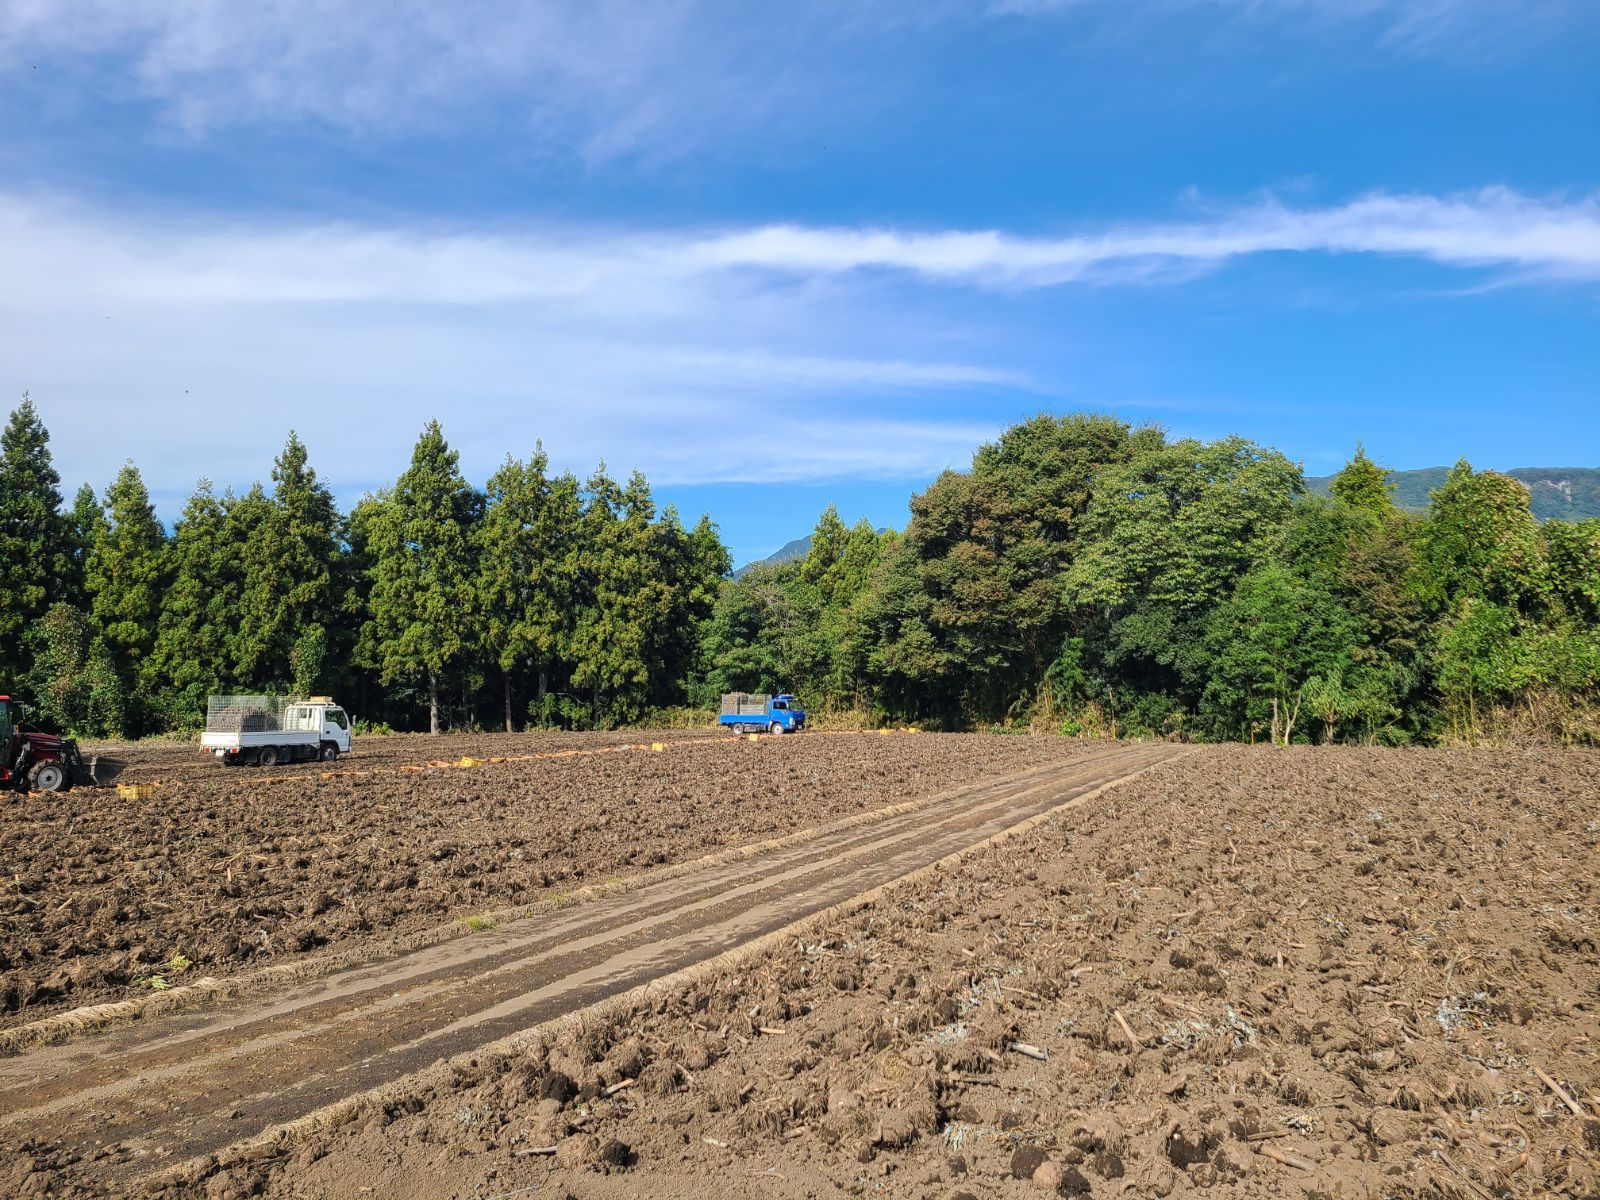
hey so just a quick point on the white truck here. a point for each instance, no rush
(263, 731)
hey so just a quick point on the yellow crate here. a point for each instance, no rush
(136, 791)
(470, 762)
(657, 746)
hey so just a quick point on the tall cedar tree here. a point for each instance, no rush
(290, 554)
(86, 520)
(527, 562)
(35, 551)
(623, 598)
(423, 601)
(126, 578)
(199, 611)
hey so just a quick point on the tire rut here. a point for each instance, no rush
(143, 1098)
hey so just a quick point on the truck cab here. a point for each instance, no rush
(323, 715)
(757, 711)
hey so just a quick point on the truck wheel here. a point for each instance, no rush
(329, 752)
(267, 756)
(775, 729)
(48, 777)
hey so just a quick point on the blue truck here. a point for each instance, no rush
(756, 711)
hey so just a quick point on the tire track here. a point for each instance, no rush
(144, 1098)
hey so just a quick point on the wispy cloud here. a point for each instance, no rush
(95, 255)
(774, 352)
(603, 78)
(1409, 25)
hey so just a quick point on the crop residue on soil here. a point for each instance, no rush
(1321, 973)
(106, 898)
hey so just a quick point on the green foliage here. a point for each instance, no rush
(1083, 577)
(1276, 640)
(36, 560)
(126, 577)
(1481, 541)
(1555, 493)
(527, 550)
(423, 598)
(71, 680)
(1363, 485)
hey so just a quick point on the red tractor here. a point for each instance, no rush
(32, 760)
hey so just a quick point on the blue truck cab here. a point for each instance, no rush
(754, 712)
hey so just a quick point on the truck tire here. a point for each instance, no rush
(267, 756)
(330, 752)
(49, 777)
(775, 729)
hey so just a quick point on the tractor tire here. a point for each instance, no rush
(267, 756)
(49, 777)
(330, 752)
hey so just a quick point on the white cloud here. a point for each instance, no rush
(601, 75)
(697, 355)
(604, 78)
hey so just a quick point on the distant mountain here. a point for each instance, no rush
(788, 552)
(1559, 493)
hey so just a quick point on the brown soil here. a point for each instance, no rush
(234, 868)
(115, 1112)
(1321, 973)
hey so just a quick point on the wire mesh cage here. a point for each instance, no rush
(745, 704)
(244, 714)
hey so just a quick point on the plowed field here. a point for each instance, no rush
(235, 868)
(1322, 973)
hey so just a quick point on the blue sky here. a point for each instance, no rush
(774, 255)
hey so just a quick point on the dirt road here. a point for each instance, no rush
(145, 1097)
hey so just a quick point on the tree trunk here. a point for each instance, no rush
(507, 674)
(433, 703)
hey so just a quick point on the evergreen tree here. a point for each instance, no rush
(422, 599)
(624, 598)
(125, 578)
(86, 521)
(1364, 485)
(306, 522)
(827, 545)
(194, 653)
(288, 547)
(35, 554)
(526, 544)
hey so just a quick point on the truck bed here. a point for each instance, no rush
(228, 740)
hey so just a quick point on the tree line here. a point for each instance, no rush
(1083, 576)
(1096, 578)
(536, 598)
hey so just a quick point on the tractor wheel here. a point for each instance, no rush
(49, 777)
(330, 752)
(267, 756)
